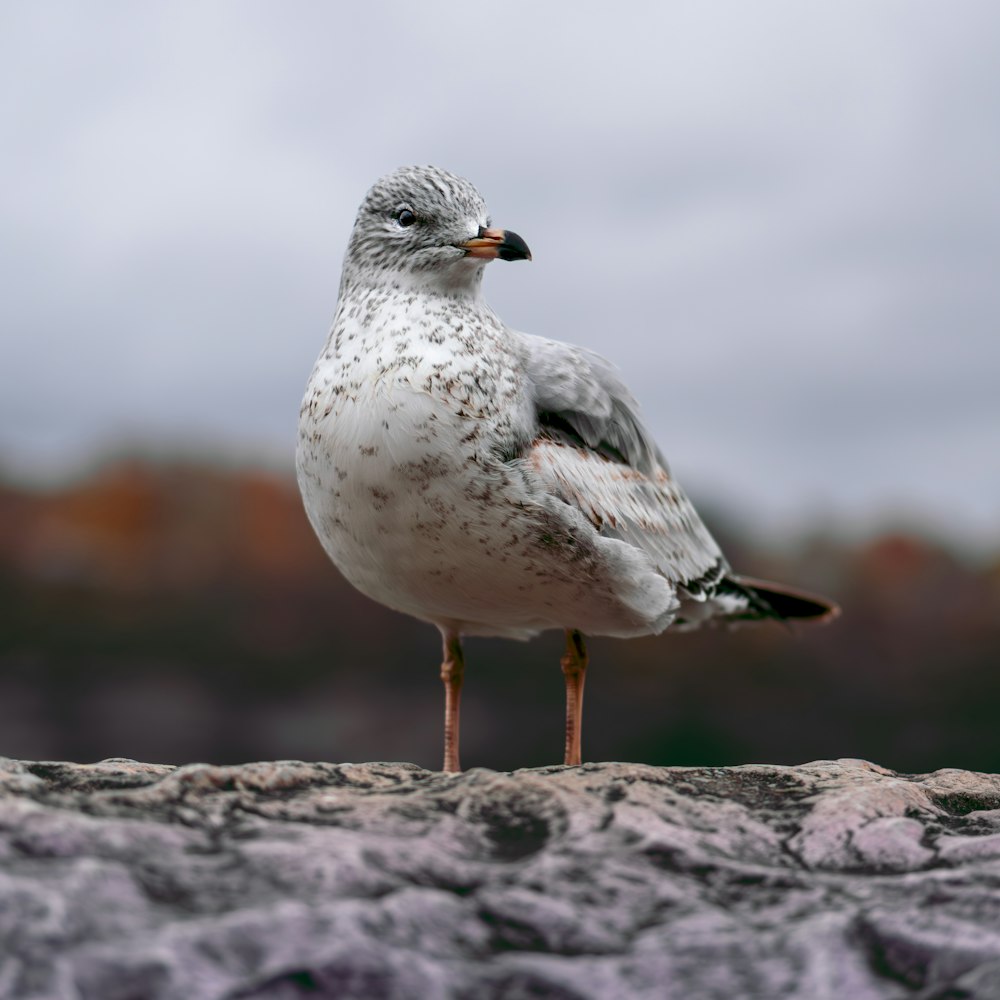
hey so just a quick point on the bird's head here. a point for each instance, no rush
(425, 227)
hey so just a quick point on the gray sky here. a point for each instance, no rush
(781, 220)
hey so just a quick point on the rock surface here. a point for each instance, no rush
(836, 879)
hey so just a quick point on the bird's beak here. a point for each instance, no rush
(493, 243)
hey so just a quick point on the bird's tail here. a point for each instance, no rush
(774, 600)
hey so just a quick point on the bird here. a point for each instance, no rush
(488, 481)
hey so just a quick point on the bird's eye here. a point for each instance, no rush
(406, 218)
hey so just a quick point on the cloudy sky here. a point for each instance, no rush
(781, 220)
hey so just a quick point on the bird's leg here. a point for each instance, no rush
(452, 670)
(574, 668)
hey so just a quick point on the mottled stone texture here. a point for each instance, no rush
(285, 880)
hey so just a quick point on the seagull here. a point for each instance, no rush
(487, 481)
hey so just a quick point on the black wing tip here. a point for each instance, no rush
(788, 603)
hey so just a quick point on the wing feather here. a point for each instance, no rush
(651, 513)
(585, 391)
(593, 450)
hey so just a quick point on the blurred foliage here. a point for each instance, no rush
(173, 612)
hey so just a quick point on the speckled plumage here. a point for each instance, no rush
(485, 480)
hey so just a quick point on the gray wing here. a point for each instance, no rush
(574, 386)
(592, 448)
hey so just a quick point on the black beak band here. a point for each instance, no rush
(513, 247)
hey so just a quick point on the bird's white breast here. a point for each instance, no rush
(402, 424)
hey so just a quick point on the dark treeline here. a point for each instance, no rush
(177, 613)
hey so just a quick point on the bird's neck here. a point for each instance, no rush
(461, 280)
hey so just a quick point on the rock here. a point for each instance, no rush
(837, 879)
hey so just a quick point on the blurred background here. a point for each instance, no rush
(781, 221)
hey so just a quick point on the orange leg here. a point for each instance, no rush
(574, 668)
(452, 670)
